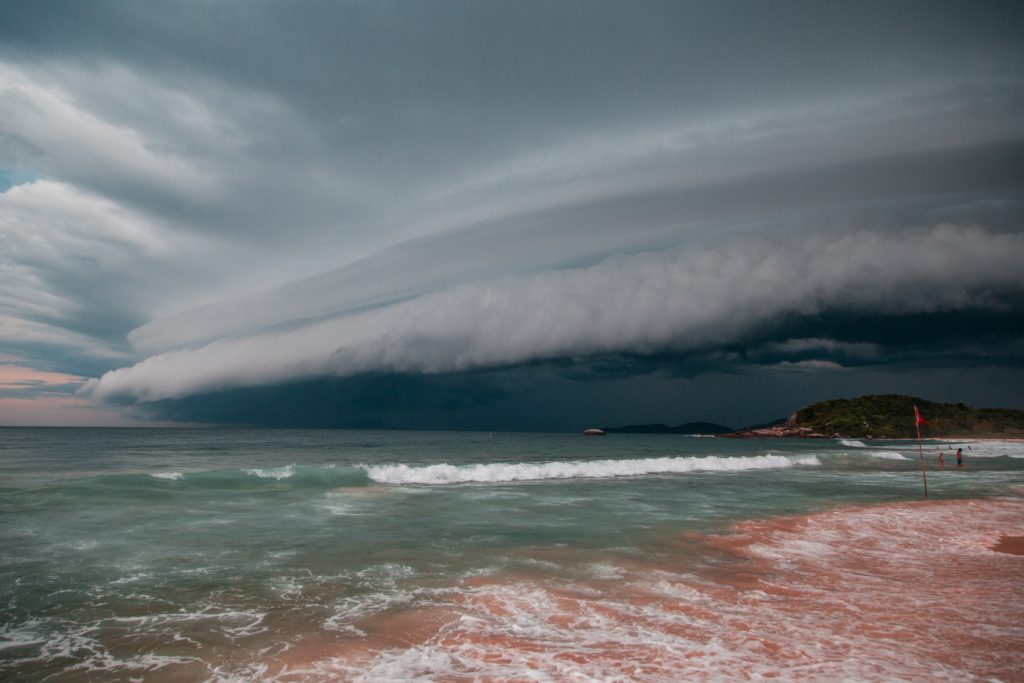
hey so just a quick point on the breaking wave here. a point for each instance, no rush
(279, 473)
(254, 478)
(887, 455)
(574, 469)
(853, 443)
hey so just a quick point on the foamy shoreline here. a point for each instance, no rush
(308, 557)
(873, 593)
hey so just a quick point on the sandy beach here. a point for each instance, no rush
(1013, 545)
(908, 591)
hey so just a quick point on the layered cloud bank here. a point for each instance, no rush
(204, 196)
(679, 300)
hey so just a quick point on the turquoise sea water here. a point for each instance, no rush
(199, 554)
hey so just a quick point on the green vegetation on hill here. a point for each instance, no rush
(892, 416)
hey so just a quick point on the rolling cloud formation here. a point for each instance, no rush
(645, 303)
(204, 197)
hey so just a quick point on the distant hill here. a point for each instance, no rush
(658, 428)
(892, 416)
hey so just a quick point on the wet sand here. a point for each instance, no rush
(1012, 545)
(910, 591)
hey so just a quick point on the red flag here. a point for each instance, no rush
(920, 420)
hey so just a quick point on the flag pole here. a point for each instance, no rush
(917, 424)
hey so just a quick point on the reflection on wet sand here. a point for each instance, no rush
(868, 593)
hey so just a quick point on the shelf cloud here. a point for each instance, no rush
(646, 303)
(499, 199)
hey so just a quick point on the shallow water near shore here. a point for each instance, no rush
(309, 555)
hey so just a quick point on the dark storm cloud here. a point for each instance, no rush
(538, 399)
(353, 95)
(874, 191)
(368, 402)
(681, 299)
(217, 197)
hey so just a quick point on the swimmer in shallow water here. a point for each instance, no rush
(942, 461)
(960, 458)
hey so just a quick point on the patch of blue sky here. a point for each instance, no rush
(11, 177)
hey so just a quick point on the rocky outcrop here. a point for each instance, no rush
(789, 430)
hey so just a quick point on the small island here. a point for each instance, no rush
(891, 416)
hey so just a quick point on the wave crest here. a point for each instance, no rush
(278, 473)
(888, 455)
(573, 469)
(320, 476)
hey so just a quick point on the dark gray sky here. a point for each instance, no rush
(526, 215)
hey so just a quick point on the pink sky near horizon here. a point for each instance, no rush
(55, 409)
(15, 377)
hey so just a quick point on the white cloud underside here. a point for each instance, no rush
(673, 300)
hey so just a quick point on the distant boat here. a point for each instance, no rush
(594, 432)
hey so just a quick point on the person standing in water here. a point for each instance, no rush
(960, 458)
(942, 461)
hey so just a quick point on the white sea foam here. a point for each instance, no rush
(167, 475)
(233, 623)
(287, 586)
(278, 473)
(349, 610)
(990, 449)
(853, 443)
(130, 579)
(605, 571)
(887, 455)
(684, 626)
(345, 509)
(88, 653)
(574, 469)
(10, 638)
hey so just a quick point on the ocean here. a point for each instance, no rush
(238, 555)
